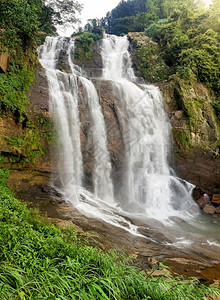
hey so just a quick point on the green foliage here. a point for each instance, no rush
(27, 147)
(216, 106)
(84, 45)
(20, 19)
(117, 21)
(38, 261)
(13, 86)
(12, 91)
(45, 123)
(189, 40)
(152, 65)
(16, 141)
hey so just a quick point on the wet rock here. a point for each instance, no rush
(217, 210)
(93, 65)
(203, 200)
(196, 165)
(152, 261)
(212, 273)
(51, 191)
(209, 209)
(216, 199)
(176, 219)
(56, 200)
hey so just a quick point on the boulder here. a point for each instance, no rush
(202, 201)
(209, 209)
(216, 199)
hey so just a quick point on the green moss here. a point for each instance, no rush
(182, 138)
(45, 123)
(16, 141)
(27, 147)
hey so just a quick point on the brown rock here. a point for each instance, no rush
(216, 198)
(209, 209)
(217, 210)
(212, 272)
(203, 200)
(159, 273)
(64, 224)
(176, 219)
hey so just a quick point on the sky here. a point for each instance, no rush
(97, 9)
(92, 9)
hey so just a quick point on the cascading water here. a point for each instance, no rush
(148, 187)
(64, 96)
(103, 187)
(148, 183)
(63, 104)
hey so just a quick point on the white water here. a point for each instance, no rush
(64, 96)
(103, 187)
(64, 106)
(64, 103)
(149, 189)
(148, 184)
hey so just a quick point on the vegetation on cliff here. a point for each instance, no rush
(20, 23)
(39, 261)
(187, 33)
(84, 42)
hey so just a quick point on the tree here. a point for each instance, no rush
(124, 9)
(22, 18)
(63, 11)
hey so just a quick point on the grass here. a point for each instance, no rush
(39, 261)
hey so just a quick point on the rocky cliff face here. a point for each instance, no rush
(189, 106)
(195, 131)
(195, 147)
(25, 145)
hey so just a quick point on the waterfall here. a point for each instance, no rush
(116, 58)
(103, 187)
(149, 186)
(64, 104)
